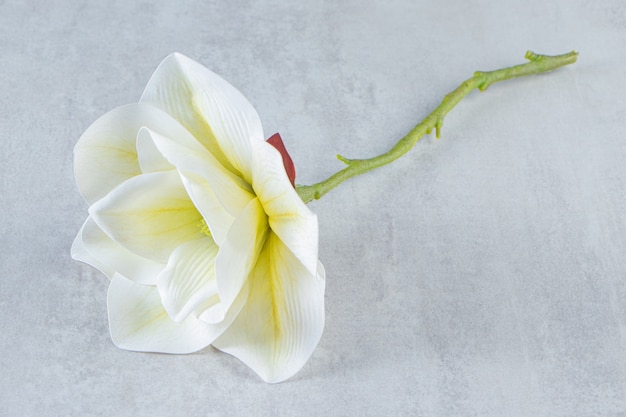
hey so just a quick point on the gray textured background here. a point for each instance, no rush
(481, 275)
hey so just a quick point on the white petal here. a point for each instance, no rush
(217, 193)
(239, 252)
(139, 322)
(117, 258)
(150, 215)
(188, 282)
(289, 217)
(283, 319)
(80, 253)
(217, 218)
(150, 159)
(213, 110)
(106, 155)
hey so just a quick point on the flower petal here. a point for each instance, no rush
(289, 217)
(114, 258)
(217, 193)
(283, 318)
(139, 322)
(150, 215)
(214, 111)
(105, 155)
(239, 252)
(188, 282)
(150, 159)
(80, 253)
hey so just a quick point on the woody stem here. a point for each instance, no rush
(480, 80)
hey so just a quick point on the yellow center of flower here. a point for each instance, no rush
(204, 228)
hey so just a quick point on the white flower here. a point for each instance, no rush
(196, 223)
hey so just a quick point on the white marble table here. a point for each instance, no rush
(483, 274)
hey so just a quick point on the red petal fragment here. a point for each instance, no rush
(277, 142)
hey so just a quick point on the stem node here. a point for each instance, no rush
(344, 159)
(531, 56)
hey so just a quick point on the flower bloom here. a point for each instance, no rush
(194, 219)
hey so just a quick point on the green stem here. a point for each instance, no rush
(481, 80)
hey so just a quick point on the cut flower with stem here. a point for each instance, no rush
(197, 221)
(197, 224)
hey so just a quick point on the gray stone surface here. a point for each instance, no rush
(483, 274)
